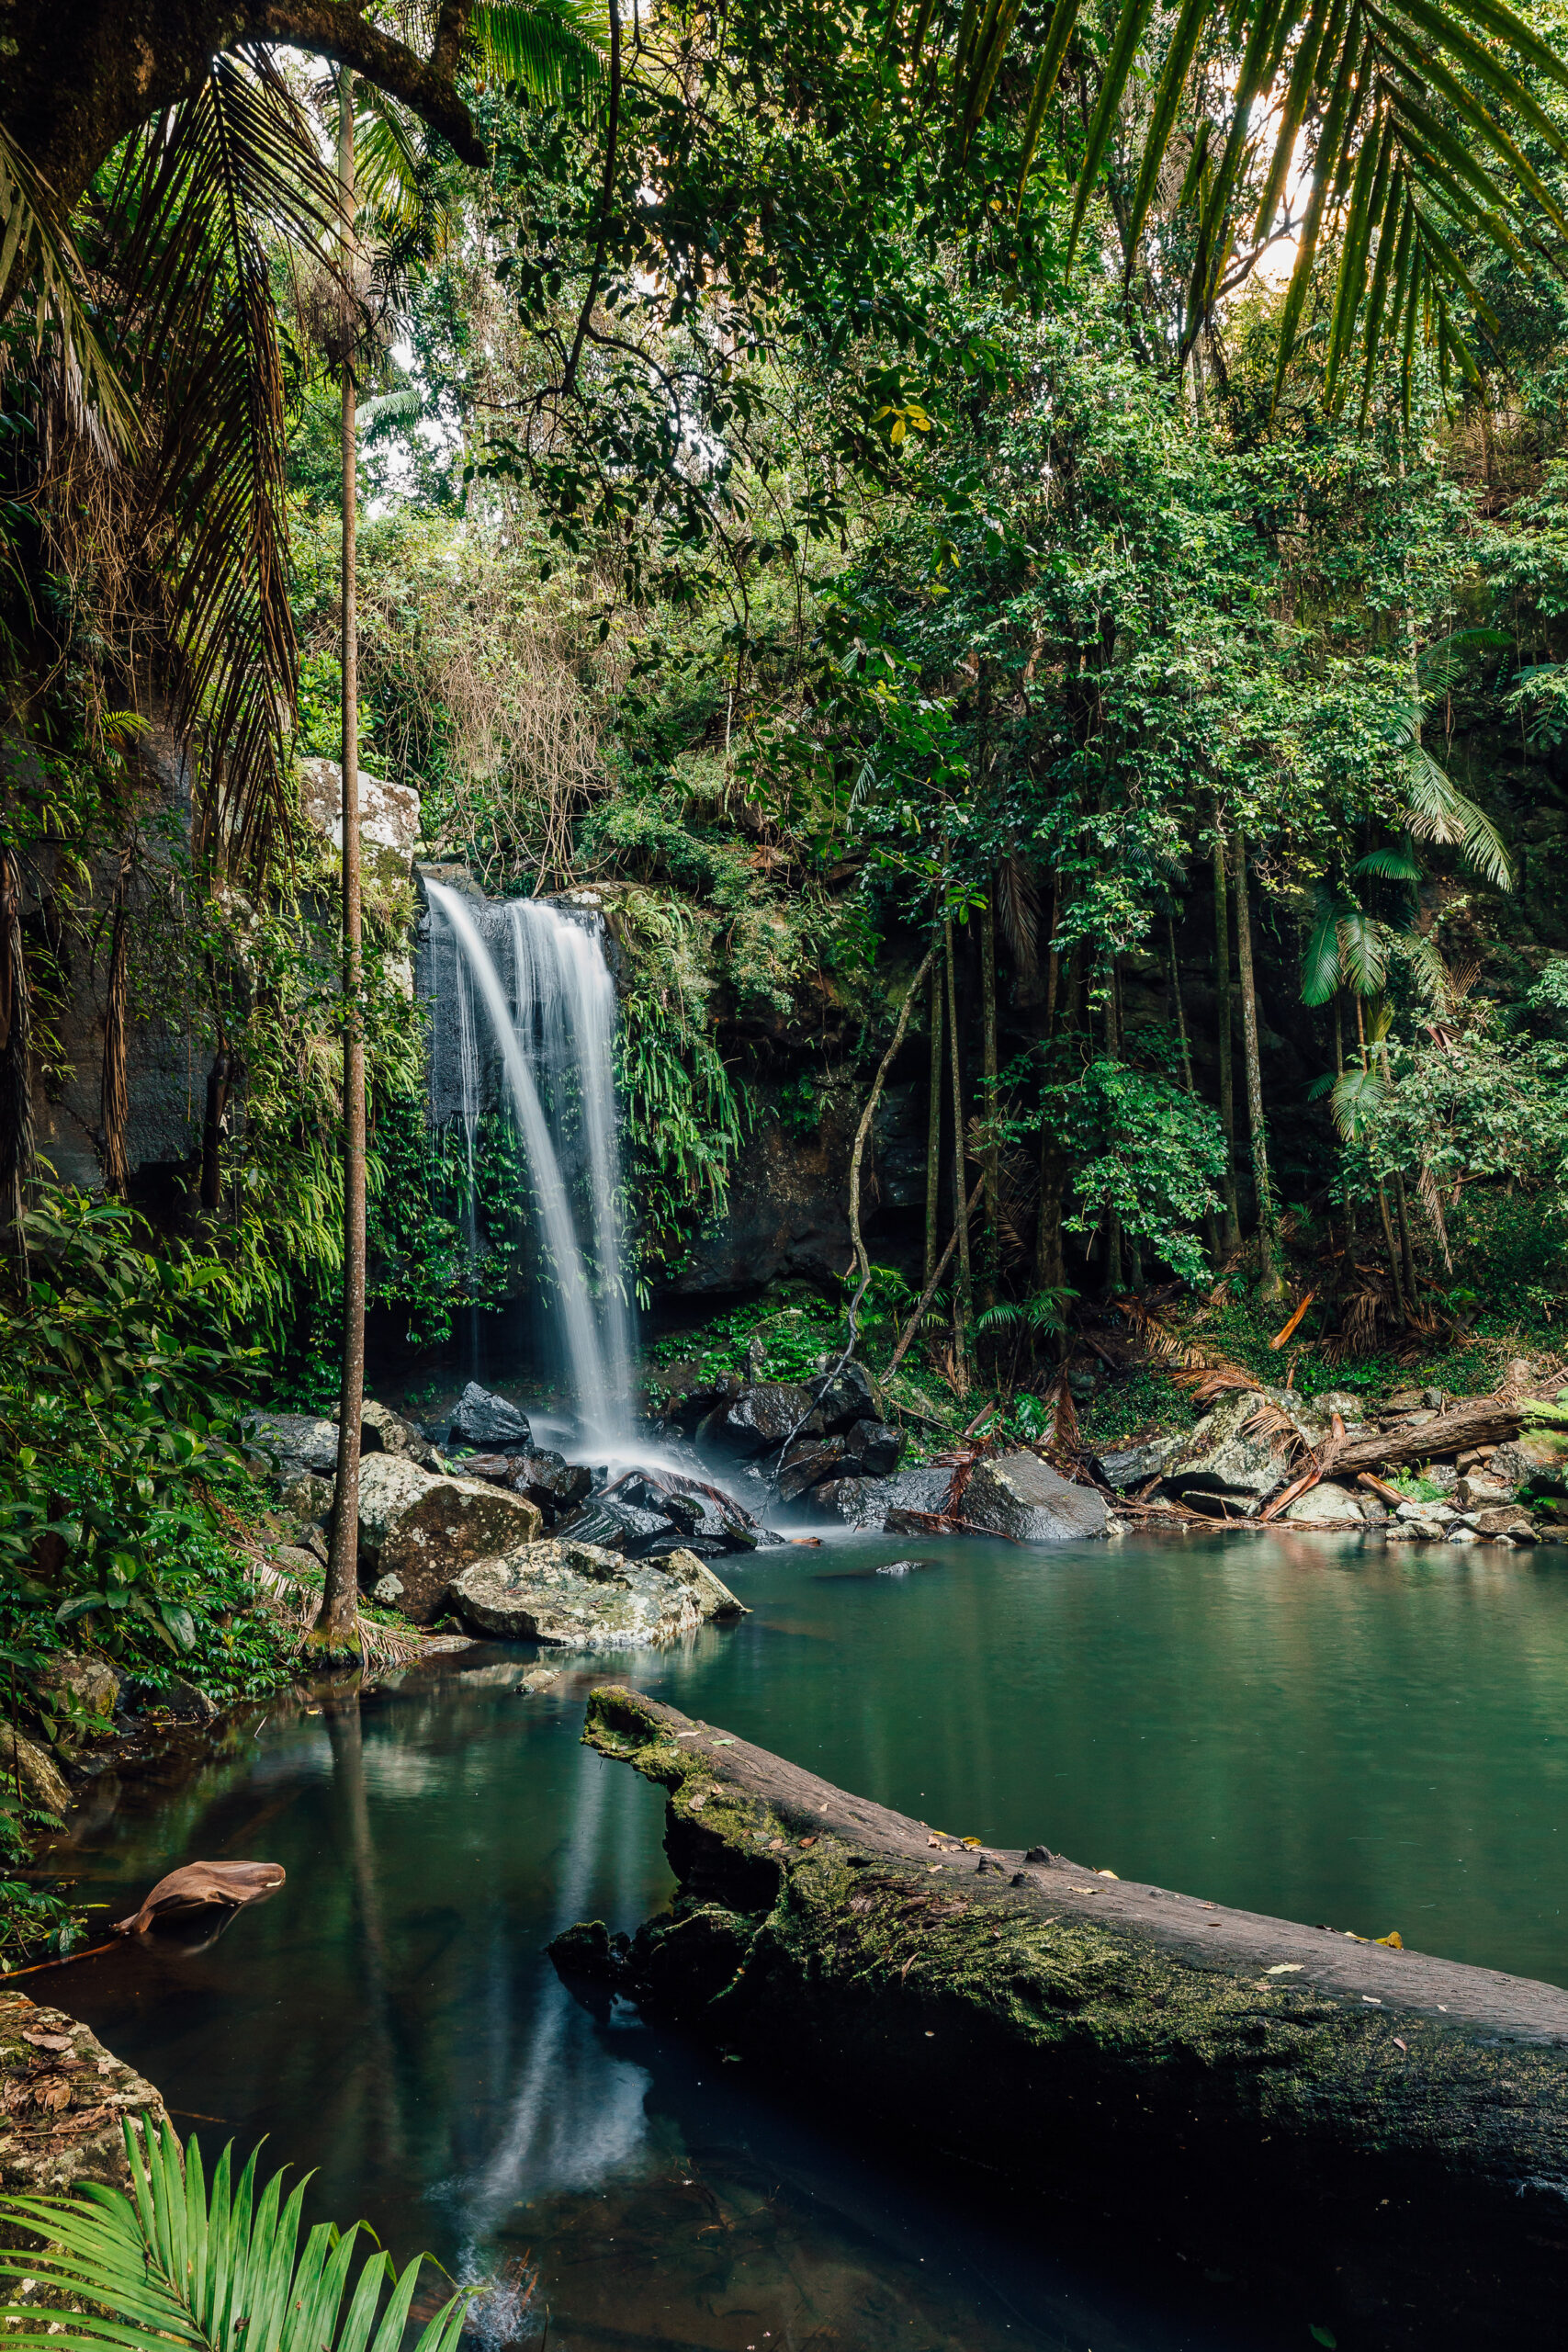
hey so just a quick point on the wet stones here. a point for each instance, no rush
(548, 1478)
(488, 1423)
(420, 1528)
(1019, 1496)
(874, 1447)
(810, 1461)
(582, 1595)
(760, 1419)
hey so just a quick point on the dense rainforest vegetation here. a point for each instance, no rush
(1082, 492)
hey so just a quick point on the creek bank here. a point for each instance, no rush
(65, 2100)
(1375, 2139)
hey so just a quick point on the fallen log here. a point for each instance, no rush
(1375, 2139)
(1480, 1420)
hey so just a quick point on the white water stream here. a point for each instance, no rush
(555, 1026)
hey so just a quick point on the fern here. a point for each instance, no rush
(175, 2263)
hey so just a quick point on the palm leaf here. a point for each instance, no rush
(183, 229)
(1449, 658)
(40, 265)
(1439, 812)
(1320, 958)
(1355, 1102)
(1363, 949)
(1393, 864)
(548, 53)
(220, 2270)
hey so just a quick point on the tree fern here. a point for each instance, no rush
(220, 2270)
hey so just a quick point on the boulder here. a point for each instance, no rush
(874, 1447)
(184, 1701)
(844, 1397)
(294, 1442)
(1536, 1462)
(1502, 1518)
(612, 1524)
(305, 1500)
(1134, 1465)
(1223, 1457)
(550, 1480)
(1326, 1501)
(1019, 1496)
(761, 1418)
(66, 2099)
(495, 1469)
(810, 1459)
(383, 1431)
(422, 1528)
(389, 816)
(900, 1505)
(42, 1779)
(488, 1422)
(87, 1685)
(580, 1595)
(1441, 1513)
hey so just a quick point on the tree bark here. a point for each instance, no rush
(1232, 1228)
(1270, 1287)
(964, 1300)
(16, 1072)
(1113, 1273)
(76, 79)
(862, 1132)
(933, 1126)
(217, 1084)
(1480, 1420)
(114, 1103)
(932, 1279)
(990, 1158)
(338, 1626)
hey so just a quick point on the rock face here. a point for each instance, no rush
(1019, 1496)
(808, 1461)
(1134, 1465)
(389, 816)
(873, 1448)
(63, 2100)
(900, 1505)
(644, 1512)
(422, 1528)
(488, 1422)
(578, 1596)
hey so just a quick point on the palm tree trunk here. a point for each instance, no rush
(114, 1101)
(16, 1072)
(1231, 1225)
(338, 1626)
(1210, 1230)
(1270, 1287)
(963, 1299)
(991, 1159)
(933, 1128)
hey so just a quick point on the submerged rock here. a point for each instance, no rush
(1019, 1496)
(582, 1595)
(421, 1527)
(488, 1422)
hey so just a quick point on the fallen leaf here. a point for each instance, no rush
(1107, 1874)
(1393, 1942)
(198, 1886)
(1325, 2336)
(1086, 1890)
(1284, 1968)
(51, 2091)
(808, 1841)
(972, 1843)
(48, 2040)
(1371, 2000)
(1402, 2045)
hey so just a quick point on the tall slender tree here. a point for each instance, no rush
(337, 1626)
(1270, 1284)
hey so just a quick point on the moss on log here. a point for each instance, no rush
(1374, 2138)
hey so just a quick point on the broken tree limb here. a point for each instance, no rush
(1480, 1420)
(1368, 2133)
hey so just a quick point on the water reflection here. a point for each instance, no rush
(1331, 1731)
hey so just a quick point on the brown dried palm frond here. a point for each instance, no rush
(1363, 1313)
(298, 1601)
(1205, 1381)
(180, 241)
(1017, 904)
(1271, 1426)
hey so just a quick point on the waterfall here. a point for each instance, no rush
(554, 1028)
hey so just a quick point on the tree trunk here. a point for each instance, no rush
(964, 1298)
(16, 1072)
(1358, 2130)
(338, 1626)
(933, 1128)
(114, 1104)
(212, 1128)
(1113, 1273)
(1270, 1287)
(1232, 1227)
(991, 1161)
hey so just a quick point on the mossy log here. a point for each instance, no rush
(1373, 2139)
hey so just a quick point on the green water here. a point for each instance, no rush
(1371, 1739)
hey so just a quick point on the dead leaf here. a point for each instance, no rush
(85, 2119)
(48, 2040)
(51, 2091)
(1402, 2045)
(808, 1841)
(1284, 1968)
(1393, 1942)
(198, 1886)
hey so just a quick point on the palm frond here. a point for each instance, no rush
(1018, 903)
(1320, 957)
(182, 227)
(216, 2270)
(1439, 812)
(1355, 1100)
(1395, 862)
(40, 266)
(547, 52)
(1363, 950)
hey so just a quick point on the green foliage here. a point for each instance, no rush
(213, 2269)
(122, 1466)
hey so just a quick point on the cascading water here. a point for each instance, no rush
(554, 1027)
